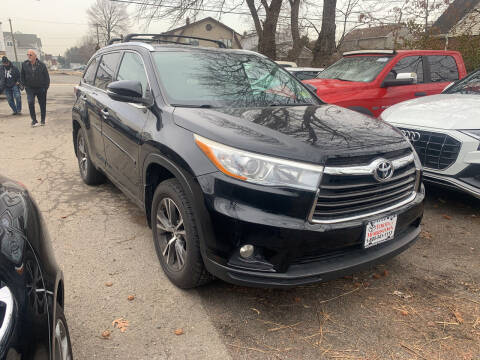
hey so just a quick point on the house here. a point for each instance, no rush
(208, 28)
(3, 51)
(23, 42)
(462, 17)
(376, 37)
(284, 43)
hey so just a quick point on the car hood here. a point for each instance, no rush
(327, 86)
(305, 133)
(443, 111)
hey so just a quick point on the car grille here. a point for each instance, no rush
(347, 195)
(436, 151)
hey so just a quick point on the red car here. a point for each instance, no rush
(369, 81)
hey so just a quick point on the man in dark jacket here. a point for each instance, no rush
(36, 80)
(10, 79)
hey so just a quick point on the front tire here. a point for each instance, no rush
(90, 175)
(176, 237)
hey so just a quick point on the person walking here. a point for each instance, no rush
(37, 81)
(11, 83)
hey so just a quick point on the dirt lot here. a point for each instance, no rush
(424, 304)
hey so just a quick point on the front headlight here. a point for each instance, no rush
(260, 169)
(473, 133)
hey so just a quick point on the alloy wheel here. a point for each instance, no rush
(171, 234)
(62, 350)
(82, 155)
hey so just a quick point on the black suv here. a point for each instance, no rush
(242, 171)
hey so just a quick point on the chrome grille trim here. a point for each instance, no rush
(352, 192)
(335, 221)
(367, 169)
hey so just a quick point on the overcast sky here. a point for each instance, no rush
(61, 24)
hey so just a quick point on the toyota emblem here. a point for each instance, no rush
(411, 135)
(383, 171)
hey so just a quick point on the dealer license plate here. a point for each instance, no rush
(379, 231)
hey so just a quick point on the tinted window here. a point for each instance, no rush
(356, 68)
(442, 68)
(106, 69)
(89, 75)
(227, 79)
(468, 85)
(410, 64)
(132, 68)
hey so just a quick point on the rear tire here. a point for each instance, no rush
(63, 345)
(90, 175)
(176, 237)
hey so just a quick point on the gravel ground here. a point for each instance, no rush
(423, 304)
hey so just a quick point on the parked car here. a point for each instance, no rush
(244, 175)
(369, 81)
(445, 131)
(304, 73)
(32, 321)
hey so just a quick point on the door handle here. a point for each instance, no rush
(421, 93)
(105, 113)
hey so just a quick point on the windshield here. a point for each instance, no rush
(469, 85)
(222, 79)
(356, 68)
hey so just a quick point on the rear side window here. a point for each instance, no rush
(409, 64)
(106, 70)
(442, 68)
(132, 68)
(89, 75)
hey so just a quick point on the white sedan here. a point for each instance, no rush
(444, 129)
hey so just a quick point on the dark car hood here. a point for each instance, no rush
(305, 133)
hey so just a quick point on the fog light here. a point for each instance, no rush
(246, 251)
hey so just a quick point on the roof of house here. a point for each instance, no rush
(24, 40)
(209, 18)
(453, 14)
(371, 32)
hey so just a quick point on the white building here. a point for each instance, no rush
(2, 42)
(23, 42)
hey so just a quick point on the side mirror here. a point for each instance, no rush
(7, 302)
(127, 91)
(401, 79)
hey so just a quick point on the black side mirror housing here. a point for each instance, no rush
(128, 91)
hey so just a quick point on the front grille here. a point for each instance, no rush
(343, 196)
(436, 151)
(366, 159)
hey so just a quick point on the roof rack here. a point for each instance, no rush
(161, 38)
(357, 52)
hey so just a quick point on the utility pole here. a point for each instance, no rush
(13, 40)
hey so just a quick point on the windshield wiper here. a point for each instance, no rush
(204, 106)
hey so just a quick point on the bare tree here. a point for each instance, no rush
(108, 19)
(267, 28)
(298, 41)
(325, 44)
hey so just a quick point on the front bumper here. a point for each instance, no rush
(290, 251)
(467, 181)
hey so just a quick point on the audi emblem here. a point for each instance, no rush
(383, 171)
(411, 135)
